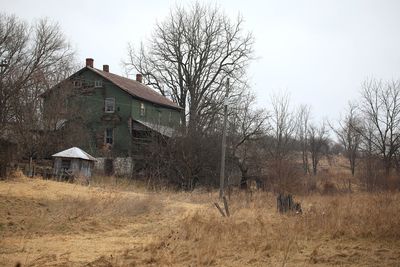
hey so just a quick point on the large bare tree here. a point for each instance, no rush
(189, 56)
(35, 57)
(380, 110)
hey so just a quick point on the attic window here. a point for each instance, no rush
(98, 83)
(142, 109)
(109, 105)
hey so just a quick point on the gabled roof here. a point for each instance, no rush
(136, 88)
(75, 153)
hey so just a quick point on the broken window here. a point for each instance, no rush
(109, 105)
(109, 136)
(142, 109)
(77, 84)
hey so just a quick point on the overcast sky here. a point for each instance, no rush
(319, 51)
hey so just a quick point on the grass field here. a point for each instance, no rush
(48, 223)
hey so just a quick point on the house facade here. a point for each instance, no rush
(117, 111)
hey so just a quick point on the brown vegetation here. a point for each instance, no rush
(46, 223)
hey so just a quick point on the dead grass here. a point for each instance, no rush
(118, 223)
(255, 236)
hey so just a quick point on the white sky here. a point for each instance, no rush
(318, 50)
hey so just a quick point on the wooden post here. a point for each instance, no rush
(223, 147)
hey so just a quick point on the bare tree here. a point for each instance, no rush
(283, 126)
(302, 135)
(246, 127)
(380, 109)
(318, 144)
(280, 142)
(36, 56)
(189, 56)
(348, 134)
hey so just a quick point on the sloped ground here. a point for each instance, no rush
(48, 223)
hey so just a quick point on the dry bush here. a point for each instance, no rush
(329, 188)
(17, 175)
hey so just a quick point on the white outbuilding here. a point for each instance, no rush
(73, 162)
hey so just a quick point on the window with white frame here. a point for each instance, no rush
(142, 109)
(109, 136)
(109, 105)
(98, 83)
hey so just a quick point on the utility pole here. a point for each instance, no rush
(222, 173)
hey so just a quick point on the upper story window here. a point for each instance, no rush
(98, 83)
(170, 117)
(159, 117)
(109, 105)
(142, 109)
(77, 84)
(109, 136)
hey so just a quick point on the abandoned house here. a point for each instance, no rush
(73, 162)
(117, 111)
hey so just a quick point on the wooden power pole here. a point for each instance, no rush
(222, 173)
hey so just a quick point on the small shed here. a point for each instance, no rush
(73, 162)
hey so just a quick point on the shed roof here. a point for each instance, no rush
(74, 152)
(164, 130)
(136, 88)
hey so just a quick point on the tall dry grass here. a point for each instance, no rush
(256, 234)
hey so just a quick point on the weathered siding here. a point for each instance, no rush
(79, 167)
(152, 112)
(99, 120)
(91, 106)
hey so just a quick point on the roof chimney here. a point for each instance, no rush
(89, 62)
(139, 77)
(106, 68)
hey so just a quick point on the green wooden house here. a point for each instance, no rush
(119, 111)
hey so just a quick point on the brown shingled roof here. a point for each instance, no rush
(136, 88)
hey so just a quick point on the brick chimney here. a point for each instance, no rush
(89, 62)
(106, 68)
(139, 77)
